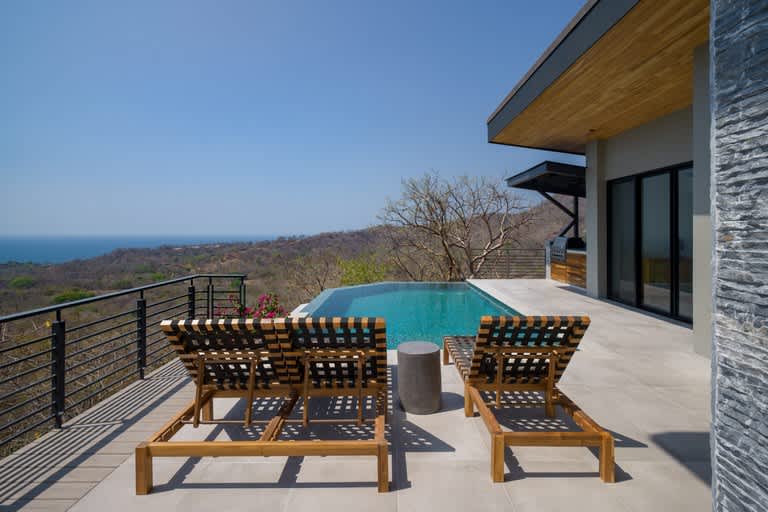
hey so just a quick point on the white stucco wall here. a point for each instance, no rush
(679, 137)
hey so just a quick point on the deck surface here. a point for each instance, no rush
(634, 374)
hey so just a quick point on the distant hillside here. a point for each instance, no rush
(269, 264)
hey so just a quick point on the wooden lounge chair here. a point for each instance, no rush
(264, 359)
(532, 352)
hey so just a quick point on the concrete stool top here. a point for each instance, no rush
(418, 348)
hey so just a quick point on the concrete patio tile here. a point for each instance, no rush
(451, 486)
(661, 487)
(56, 491)
(43, 505)
(556, 486)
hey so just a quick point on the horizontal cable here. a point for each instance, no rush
(105, 319)
(153, 352)
(25, 417)
(103, 331)
(26, 358)
(152, 361)
(102, 390)
(177, 306)
(121, 293)
(28, 386)
(31, 427)
(132, 332)
(47, 337)
(99, 368)
(28, 372)
(25, 402)
(100, 355)
(167, 300)
(155, 342)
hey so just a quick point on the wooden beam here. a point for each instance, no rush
(261, 448)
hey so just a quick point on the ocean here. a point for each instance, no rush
(58, 249)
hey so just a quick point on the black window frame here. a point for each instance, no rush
(674, 252)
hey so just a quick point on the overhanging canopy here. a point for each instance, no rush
(617, 65)
(552, 178)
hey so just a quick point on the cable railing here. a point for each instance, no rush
(57, 361)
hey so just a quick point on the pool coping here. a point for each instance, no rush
(309, 308)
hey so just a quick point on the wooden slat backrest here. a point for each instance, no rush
(331, 338)
(234, 341)
(542, 333)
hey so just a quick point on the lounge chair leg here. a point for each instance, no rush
(208, 410)
(549, 409)
(383, 467)
(497, 458)
(469, 409)
(446, 360)
(143, 469)
(607, 469)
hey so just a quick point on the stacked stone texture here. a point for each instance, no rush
(739, 50)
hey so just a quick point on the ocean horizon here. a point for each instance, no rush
(60, 249)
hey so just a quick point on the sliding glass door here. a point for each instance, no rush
(622, 241)
(655, 243)
(650, 234)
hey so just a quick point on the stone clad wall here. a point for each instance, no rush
(739, 51)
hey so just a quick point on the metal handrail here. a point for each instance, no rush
(121, 293)
(108, 335)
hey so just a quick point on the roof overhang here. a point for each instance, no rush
(618, 64)
(552, 178)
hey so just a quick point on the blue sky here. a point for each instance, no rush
(250, 117)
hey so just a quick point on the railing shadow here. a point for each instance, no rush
(34, 468)
(403, 436)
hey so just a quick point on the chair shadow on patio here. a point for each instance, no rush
(403, 436)
(524, 414)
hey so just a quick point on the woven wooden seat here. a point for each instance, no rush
(523, 354)
(285, 358)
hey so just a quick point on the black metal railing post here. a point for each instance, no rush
(191, 298)
(58, 369)
(209, 309)
(141, 335)
(242, 292)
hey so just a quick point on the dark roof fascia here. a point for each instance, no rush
(588, 26)
(539, 148)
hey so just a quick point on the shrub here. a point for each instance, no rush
(123, 284)
(22, 282)
(157, 276)
(362, 270)
(72, 295)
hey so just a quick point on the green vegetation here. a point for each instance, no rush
(362, 270)
(123, 284)
(22, 282)
(157, 276)
(143, 268)
(71, 295)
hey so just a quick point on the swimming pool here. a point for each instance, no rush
(413, 311)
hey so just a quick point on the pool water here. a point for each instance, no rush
(413, 311)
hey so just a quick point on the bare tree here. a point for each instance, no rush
(315, 271)
(443, 229)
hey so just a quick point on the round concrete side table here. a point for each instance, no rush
(418, 376)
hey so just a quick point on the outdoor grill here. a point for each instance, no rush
(560, 246)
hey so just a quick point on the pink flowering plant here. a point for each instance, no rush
(268, 307)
